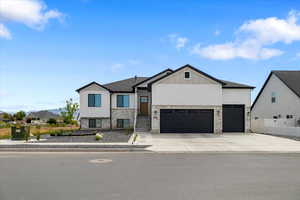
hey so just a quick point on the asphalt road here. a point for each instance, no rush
(145, 176)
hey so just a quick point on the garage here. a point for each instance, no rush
(233, 118)
(186, 120)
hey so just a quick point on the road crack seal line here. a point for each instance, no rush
(100, 161)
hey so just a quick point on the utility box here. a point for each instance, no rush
(20, 133)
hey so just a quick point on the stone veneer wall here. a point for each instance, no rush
(122, 113)
(84, 123)
(156, 116)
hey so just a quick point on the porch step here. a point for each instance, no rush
(142, 123)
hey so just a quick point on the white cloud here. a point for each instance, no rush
(178, 41)
(4, 32)
(298, 54)
(116, 67)
(217, 32)
(253, 37)
(32, 13)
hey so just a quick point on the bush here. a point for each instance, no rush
(52, 121)
(98, 136)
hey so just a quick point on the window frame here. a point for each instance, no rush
(94, 120)
(92, 100)
(121, 123)
(273, 97)
(122, 102)
(190, 75)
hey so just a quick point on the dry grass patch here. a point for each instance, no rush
(5, 132)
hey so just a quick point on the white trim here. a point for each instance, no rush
(189, 77)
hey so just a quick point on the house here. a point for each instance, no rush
(185, 100)
(279, 97)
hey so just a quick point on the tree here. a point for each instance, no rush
(8, 117)
(20, 115)
(52, 121)
(68, 112)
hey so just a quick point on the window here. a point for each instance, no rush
(187, 75)
(144, 99)
(289, 116)
(94, 100)
(122, 100)
(95, 123)
(273, 97)
(123, 123)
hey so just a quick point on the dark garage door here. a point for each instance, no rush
(233, 118)
(186, 121)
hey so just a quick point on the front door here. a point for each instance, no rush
(144, 105)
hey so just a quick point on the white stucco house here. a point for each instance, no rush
(185, 100)
(279, 97)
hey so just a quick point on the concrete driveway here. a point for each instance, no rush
(227, 142)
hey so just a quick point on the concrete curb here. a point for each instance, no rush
(72, 147)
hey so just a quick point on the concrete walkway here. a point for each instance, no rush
(227, 142)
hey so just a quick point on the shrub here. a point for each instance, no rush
(98, 136)
(52, 121)
(28, 120)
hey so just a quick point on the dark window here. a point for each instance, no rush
(122, 123)
(273, 97)
(94, 100)
(122, 100)
(187, 75)
(92, 123)
(95, 123)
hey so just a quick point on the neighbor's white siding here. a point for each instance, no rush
(187, 94)
(101, 112)
(237, 96)
(287, 102)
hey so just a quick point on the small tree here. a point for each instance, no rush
(20, 115)
(68, 112)
(52, 121)
(8, 117)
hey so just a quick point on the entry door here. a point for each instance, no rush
(144, 105)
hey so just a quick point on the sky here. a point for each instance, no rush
(50, 48)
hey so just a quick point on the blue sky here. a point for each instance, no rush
(50, 48)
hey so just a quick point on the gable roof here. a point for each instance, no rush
(125, 85)
(189, 66)
(87, 85)
(290, 78)
(229, 84)
(147, 79)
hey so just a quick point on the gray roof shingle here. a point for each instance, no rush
(124, 85)
(229, 84)
(127, 85)
(291, 79)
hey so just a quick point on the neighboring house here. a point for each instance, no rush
(279, 97)
(186, 100)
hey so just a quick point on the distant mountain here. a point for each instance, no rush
(43, 115)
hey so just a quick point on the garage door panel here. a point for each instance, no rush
(186, 121)
(233, 118)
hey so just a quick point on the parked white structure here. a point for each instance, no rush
(279, 97)
(276, 109)
(185, 100)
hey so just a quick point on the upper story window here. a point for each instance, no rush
(122, 100)
(187, 75)
(94, 100)
(273, 97)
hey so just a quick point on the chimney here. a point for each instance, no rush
(135, 78)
